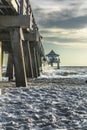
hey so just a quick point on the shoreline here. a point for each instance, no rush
(46, 82)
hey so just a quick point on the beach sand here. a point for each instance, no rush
(47, 81)
(45, 104)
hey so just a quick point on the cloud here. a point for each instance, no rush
(63, 25)
(63, 14)
(67, 19)
(70, 23)
(62, 40)
(69, 45)
(80, 34)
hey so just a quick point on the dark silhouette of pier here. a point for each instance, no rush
(20, 38)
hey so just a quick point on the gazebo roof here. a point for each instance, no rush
(52, 54)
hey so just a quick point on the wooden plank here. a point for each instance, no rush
(34, 36)
(21, 7)
(27, 57)
(9, 71)
(6, 47)
(25, 7)
(14, 21)
(18, 57)
(27, 35)
(0, 60)
(30, 58)
(4, 6)
(41, 49)
(9, 7)
(28, 8)
(34, 63)
(38, 63)
(5, 36)
(13, 4)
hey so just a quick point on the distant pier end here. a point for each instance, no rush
(20, 38)
(52, 58)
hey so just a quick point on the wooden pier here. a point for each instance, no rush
(20, 38)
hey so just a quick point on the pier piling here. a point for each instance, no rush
(20, 38)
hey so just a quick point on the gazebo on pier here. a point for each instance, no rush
(52, 57)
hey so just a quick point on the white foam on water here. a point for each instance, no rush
(63, 72)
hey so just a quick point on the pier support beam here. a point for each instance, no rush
(40, 58)
(9, 72)
(38, 63)
(0, 60)
(18, 57)
(34, 62)
(28, 61)
(58, 65)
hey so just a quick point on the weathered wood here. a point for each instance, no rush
(14, 21)
(40, 59)
(58, 66)
(4, 6)
(6, 46)
(27, 57)
(5, 36)
(21, 7)
(35, 61)
(0, 61)
(18, 57)
(30, 58)
(9, 71)
(29, 36)
(38, 63)
(10, 7)
(58, 63)
(34, 36)
(42, 53)
(34, 64)
(27, 9)
(14, 4)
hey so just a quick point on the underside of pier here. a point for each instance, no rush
(20, 38)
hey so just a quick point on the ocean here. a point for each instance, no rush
(57, 100)
(64, 71)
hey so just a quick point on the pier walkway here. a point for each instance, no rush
(20, 38)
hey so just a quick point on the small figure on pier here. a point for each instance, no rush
(52, 57)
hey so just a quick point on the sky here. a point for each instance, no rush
(63, 26)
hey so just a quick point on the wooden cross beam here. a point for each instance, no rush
(5, 36)
(15, 21)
